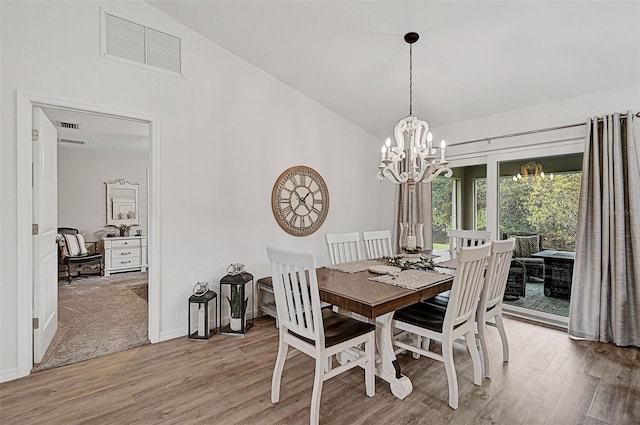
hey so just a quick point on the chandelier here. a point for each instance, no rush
(413, 159)
(530, 169)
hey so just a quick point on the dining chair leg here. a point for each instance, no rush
(475, 357)
(425, 343)
(329, 365)
(503, 337)
(314, 418)
(417, 342)
(370, 367)
(484, 351)
(283, 348)
(447, 355)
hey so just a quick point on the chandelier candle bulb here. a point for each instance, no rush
(383, 153)
(443, 145)
(411, 242)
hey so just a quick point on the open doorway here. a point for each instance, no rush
(102, 161)
(29, 297)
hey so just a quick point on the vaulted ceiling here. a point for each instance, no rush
(473, 58)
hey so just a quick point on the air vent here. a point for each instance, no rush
(69, 125)
(73, 142)
(131, 42)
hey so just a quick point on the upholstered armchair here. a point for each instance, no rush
(74, 252)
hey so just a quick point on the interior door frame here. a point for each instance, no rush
(24, 254)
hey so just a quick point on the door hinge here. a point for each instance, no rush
(35, 135)
(35, 229)
(36, 323)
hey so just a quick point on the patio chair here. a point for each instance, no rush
(527, 244)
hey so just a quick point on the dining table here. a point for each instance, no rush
(376, 301)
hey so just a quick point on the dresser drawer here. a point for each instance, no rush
(125, 243)
(125, 262)
(125, 252)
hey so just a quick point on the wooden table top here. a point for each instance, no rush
(356, 293)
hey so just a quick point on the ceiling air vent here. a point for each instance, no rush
(73, 142)
(135, 43)
(69, 125)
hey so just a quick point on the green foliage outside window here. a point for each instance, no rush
(544, 205)
(534, 204)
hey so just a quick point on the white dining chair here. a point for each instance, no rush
(377, 244)
(319, 333)
(446, 325)
(343, 247)
(490, 305)
(466, 238)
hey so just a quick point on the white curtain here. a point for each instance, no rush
(605, 296)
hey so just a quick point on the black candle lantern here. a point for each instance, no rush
(202, 315)
(236, 293)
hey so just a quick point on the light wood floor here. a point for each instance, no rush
(550, 379)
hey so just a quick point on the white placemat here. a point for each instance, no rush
(413, 279)
(449, 264)
(355, 266)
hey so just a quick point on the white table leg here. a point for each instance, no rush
(388, 368)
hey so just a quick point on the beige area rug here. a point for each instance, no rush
(98, 315)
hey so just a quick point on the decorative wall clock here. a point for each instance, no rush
(300, 200)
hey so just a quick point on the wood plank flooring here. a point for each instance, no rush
(549, 379)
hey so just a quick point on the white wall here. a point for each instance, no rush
(82, 174)
(227, 130)
(567, 111)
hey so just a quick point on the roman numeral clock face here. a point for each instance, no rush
(300, 200)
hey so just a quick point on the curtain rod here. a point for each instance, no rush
(522, 133)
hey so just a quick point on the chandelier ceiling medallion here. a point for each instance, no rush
(413, 142)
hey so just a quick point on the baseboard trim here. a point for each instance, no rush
(8, 374)
(172, 334)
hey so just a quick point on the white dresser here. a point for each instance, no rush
(125, 254)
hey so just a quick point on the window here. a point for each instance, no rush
(538, 198)
(459, 202)
(541, 195)
(480, 204)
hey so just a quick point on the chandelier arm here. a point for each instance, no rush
(392, 174)
(398, 131)
(447, 171)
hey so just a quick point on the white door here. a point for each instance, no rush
(45, 215)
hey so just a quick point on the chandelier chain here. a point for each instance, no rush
(410, 79)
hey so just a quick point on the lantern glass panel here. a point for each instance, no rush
(203, 315)
(236, 304)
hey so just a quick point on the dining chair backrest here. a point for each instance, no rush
(377, 244)
(343, 247)
(295, 289)
(466, 238)
(497, 273)
(466, 286)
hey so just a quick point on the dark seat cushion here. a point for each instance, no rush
(440, 300)
(339, 328)
(86, 258)
(422, 315)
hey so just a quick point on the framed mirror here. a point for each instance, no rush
(122, 203)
